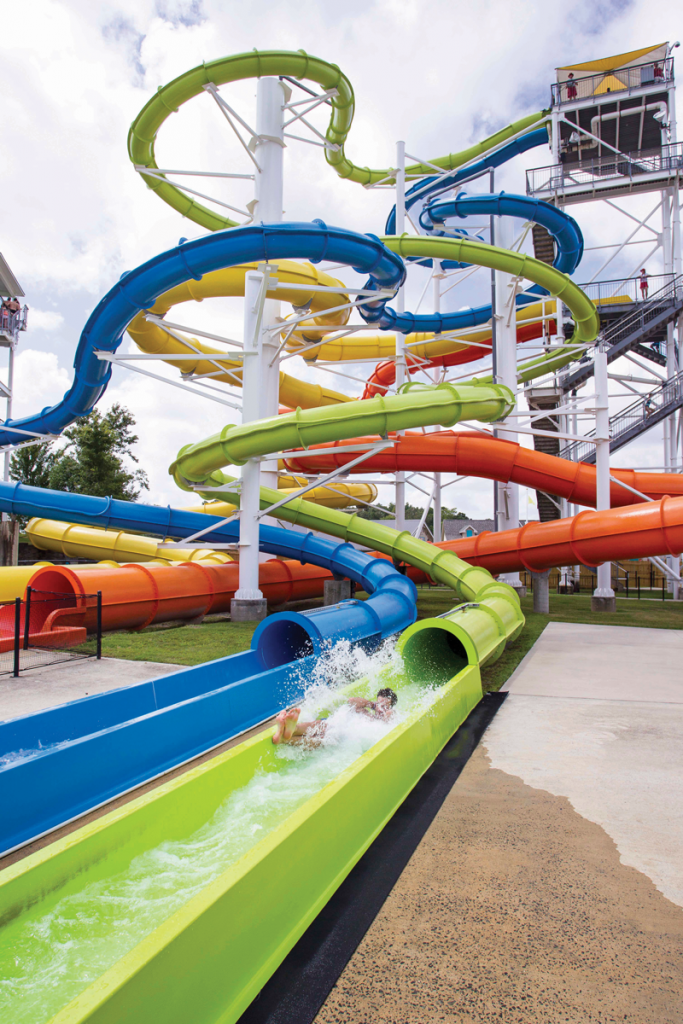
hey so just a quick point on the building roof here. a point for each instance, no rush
(9, 286)
(454, 528)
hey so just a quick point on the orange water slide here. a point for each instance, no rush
(589, 538)
(469, 453)
(135, 595)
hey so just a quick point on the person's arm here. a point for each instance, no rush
(362, 706)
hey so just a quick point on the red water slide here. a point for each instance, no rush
(470, 453)
(384, 374)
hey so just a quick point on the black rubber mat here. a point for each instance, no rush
(302, 983)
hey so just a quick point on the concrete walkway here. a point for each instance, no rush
(550, 885)
(45, 687)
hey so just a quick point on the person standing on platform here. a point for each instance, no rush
(644, 284)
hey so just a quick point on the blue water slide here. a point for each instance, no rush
(560, 225)
(138, 290)
(57, 764)
(563, 228)
(442, 183)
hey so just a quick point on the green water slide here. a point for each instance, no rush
(303, 67)
(494, 616)
(169, 909)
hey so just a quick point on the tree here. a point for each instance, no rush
(412, 512)
(92, 460)
(34, 464)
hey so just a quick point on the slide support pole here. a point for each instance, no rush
(506, 365)
(261, 367)
(400, 499)
(436, 532)
(603, 599)
(271, 95)
(541, 591)
(248, 603)
(669, 205)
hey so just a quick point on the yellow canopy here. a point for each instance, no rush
(606, 64)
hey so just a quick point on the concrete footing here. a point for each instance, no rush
(519, 589)
(541, 592)
(337, 590)
(248, 611)
(603, 604)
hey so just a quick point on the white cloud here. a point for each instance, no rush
(39, 381)
(46, 319)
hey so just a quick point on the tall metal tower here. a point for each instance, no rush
(613, 135)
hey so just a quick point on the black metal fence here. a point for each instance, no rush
(47, 627)
(644, 580)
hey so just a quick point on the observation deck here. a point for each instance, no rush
(604, 86)
(611, 130)
(608, 175)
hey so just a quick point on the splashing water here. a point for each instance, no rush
(47, 959)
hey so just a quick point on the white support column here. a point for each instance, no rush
(506, 373)
(271, 95)
(603, 599)
(555, 136)
(436, 271)
(248, 603)
(400, 499)
(8, 413)
(669, 205)
(260, 386)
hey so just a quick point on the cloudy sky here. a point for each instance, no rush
(439, 75)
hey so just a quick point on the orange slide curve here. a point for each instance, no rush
(469, 453)
(135, 596)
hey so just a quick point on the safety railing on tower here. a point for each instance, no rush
(647, 311)
(635, 289)
(623, 80)
(639, 323)
(633, 420)
(603, 168)
(13, 321)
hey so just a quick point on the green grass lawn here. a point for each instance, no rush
(180, 645)
(563, 608)
(192, 645)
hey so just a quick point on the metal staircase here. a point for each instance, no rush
(633, 421)
(632, 329)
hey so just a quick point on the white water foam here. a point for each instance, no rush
(48, 959)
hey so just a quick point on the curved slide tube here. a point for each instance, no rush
(497, 156)
(568, 238)
(589, 538)
(139, 289)
(303, 66)
(492, 458)
(105, 744)
(560, 225)
(136, 596)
